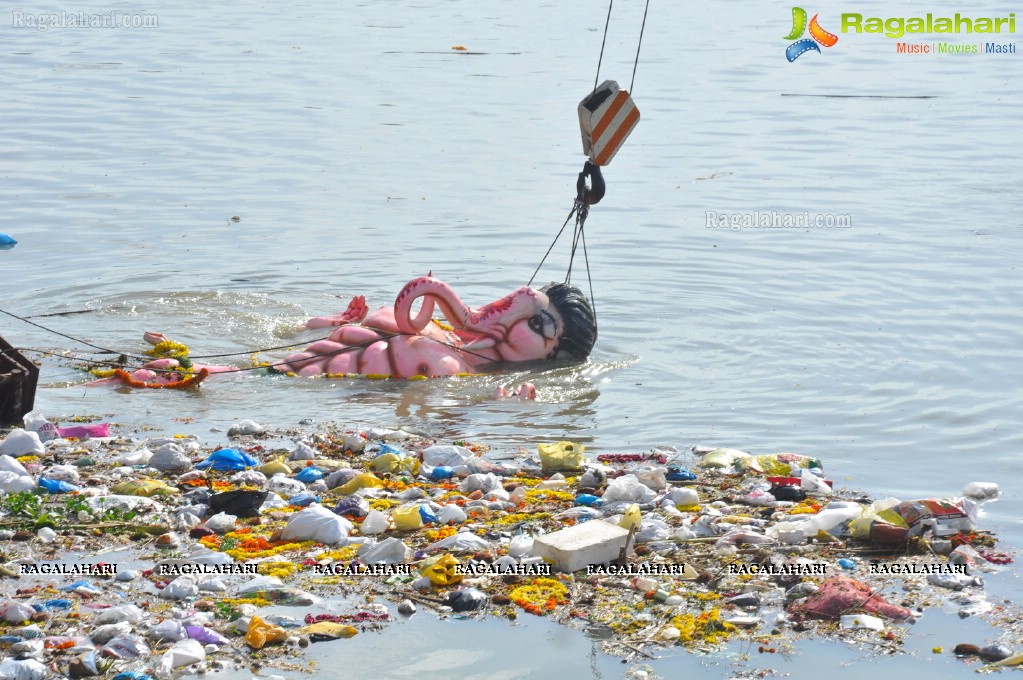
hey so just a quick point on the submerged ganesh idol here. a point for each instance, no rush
(555, 322)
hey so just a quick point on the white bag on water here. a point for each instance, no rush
(21, 443)
(317, 523)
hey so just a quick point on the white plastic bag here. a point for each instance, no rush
(629, 489)
(35, 422)
(485, 483)
(123, 612)
(450, 456)
(520, 545)
(170, 458)
(168, 630)
(302, 452)
(11, 482)
(221, 523)
(180, 588)
(652, 476)
(101, 635)
(388, 551)
(16, 612)
(451, 514)
(375, 522)
(62, 473)
(22, 669)
(139, 456)
(182, 653)
(285, 486)
(21, 443)
(316, 523)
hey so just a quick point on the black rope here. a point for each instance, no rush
(602, 43)
(537, 271)
(65, 335)
(639, 45)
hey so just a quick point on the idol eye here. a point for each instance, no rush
(542, 324)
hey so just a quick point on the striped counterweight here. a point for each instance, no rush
(607, 117)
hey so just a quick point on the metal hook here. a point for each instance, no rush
(590, 195)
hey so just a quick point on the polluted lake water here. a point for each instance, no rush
(150, 554)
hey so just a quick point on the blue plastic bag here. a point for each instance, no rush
(81, 585)
(303, 499)
(679, 474)
(227, 460)
(441, 472)
(427, 514)
(589, 499)
(57, 485)
(6, 242)
(309, 474)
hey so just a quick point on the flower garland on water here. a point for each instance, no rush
(168, 349)
(707, 626)
(541, 596)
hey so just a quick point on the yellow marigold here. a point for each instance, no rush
(539, 495)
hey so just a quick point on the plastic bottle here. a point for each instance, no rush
(644, 584)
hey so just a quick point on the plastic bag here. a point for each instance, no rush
(451, 514)
(35, 422)
(23, 669)
(8, 464)
(352, 507)
(944, 516)
(62, 473)
(365, 480)
(261, 633)
(629, 489)
(85, 431)
(653, 477)
(632, 519)
(240, 503)
(406, 517)
(388, 551)
(182, 653)
(310, 474)
(463, 541)
(11, 482)
(144, 487)
(302, 452)
(227, 460)
(127, 647)
(561, 456)
(722, 458)
(248, 477)
(316, 523)
(285, 486)
(168, 630)
(840, 595)
(375, 522)
(451, 456)
(170, 458)
(442, 570)
(140, 456)
(108, 631)
(221, 523)
(778, 463)
(276, 467)
(180, 588)
(124, 612)
(467, 599)
(485, 483)
(206, 636)
(327, 630)
(21, 443)
(16, 612)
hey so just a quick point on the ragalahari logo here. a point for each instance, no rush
(817, 35)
